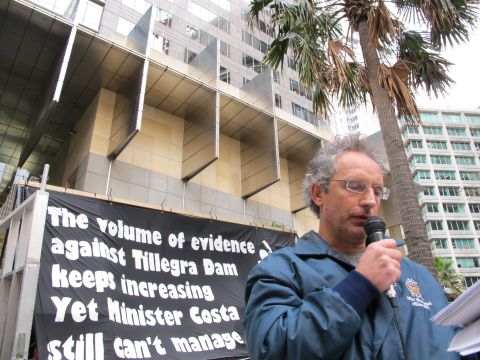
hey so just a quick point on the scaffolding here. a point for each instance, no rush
(23, 232)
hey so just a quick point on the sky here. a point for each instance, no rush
(465, 93)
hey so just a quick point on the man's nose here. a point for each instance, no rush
(368, 198)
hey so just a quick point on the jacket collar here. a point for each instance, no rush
(312, 244)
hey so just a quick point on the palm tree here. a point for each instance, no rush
(448, 277)
(396, 62)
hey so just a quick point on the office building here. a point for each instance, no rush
(360, 120)
(444, 159)
(157, 102)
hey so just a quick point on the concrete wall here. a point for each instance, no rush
(148, 171)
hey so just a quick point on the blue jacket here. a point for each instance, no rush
(305, 302)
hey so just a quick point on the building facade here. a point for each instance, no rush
(156, 102)
(444, 158)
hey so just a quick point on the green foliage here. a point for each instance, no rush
(448, 277)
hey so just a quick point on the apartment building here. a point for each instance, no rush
(444, 158)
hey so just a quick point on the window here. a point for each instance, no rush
(253, 41)
(459, 225)
(448, 191)
(252, 63)
(124, 26)
(472, 119)
(452, 118)
(304, 114)
(470, 280)
(291, 63)
(476, 224)
(437, 145)
(430, 208)
(259, 24)
(247, 38)
(206, 38)
(160, 43)
(474, 208)
(412, 130)
(428, 117)
(189, 56)
(140, 6)
(89, 14)
(439, 244)
(469, 175)
(276, 76)
(456, 131)
(225, 75)
(224, 24)
(294, 86)
(467, 262)
(434, 225)
(472, 191)
(60, 7)
(477, 146)
(444, 175)
(454, 208)
(224, 49)
(465, 160)
(278, 101)
(191, 32)
(460, 145)
(429, 191)
(164, 18)
(412, 144)
(224, 4)
(463, 243)
(418, 159)
(441, 160)
(208, 16)
(260, 45)
(432, 130)
(475, 132)
(422, 175)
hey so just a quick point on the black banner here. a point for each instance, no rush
(124, 282)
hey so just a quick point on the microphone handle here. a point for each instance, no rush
(377, 236)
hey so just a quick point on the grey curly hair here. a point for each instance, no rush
(322, 167)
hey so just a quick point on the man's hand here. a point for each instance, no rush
(381, 263)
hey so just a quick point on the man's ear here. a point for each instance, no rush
(318, 194)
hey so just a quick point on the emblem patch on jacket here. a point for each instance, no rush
(416, 299)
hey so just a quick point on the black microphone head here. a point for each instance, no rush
(374, 224)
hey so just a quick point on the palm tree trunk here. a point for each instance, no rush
(410, 213)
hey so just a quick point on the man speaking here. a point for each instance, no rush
(325, 298)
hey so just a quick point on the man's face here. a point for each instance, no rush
(344, 212)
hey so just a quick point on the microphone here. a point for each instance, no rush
(375, 229)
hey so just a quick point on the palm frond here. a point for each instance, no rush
(449, 20)
(321, 103)
(309, 34)
(337, 53)
(351, 88)
(447, 276)
(394, 79)
(428, 68)
(256, 7)
(363, 85)
(382, 25)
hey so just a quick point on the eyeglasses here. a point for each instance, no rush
(360, 187)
